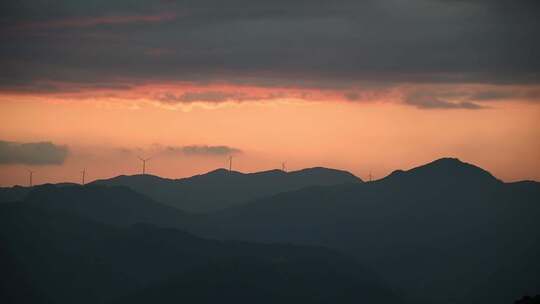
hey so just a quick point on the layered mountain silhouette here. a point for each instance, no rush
(116, 206)
(220, 188)
(444, 232)
(54, 256)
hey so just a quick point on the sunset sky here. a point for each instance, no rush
(355, 85)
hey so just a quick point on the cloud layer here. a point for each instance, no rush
(38, 153)
(270, 43)
(203, 150)
(433, 100)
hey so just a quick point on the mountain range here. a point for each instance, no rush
(445, 232)
(220, 189)
(215, 190)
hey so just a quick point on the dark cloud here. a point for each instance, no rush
(507, 94)
(452, 98)
(156, 150)
(90, 21)
(442, 104)
(39, 153)
(205, 96)
(203, 150)
(439, 100)
(492, 95)
(219, 96)
(295, 42)
(351, 96)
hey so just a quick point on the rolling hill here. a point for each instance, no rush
(220, 188)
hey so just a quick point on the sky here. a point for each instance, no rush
(364, 86)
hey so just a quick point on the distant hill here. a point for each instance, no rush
(220, 189)
(445, 232)
(56, 256)
(13, 194)
(118, 206)
(447, 171)
(19, 193)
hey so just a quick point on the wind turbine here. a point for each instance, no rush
(144, 163)
(83, 172)
(230, 163)
(370, 176)
(30, 175)
(283, 167)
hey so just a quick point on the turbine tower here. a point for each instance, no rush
(230, 163)
(144, 164)
(283, 166)
(83, 172)
(370, 176)
(30, 175)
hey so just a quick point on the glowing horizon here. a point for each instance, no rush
(379, 135)
(360, 86)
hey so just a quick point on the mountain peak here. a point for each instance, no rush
(447, 169)
(135, 177)
(449, 161)
(452, 163)
(345, 176)
(220, 172)
(271, 171)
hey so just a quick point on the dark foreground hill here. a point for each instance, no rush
(55, 256)
(445, 232)
(220, 189)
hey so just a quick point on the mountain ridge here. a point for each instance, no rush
(444, 228)
(446, 221)
(220, 188)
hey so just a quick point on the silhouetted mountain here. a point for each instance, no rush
(447, 171)
(441, 232)
(119, 206)
(13, 194)
(58, 255)
(19, 193)
(220, 188)
(445, 232)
